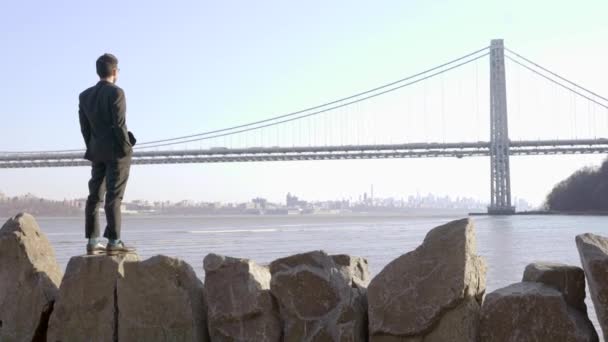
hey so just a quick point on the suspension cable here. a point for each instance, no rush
(556, 82)
(321, 105)
(323, 110)
(556, 75)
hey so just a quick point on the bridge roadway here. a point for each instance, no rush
(259, 154)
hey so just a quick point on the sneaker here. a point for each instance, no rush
(118, 248)
(94, 249)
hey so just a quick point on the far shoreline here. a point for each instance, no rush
(550, 212)
(426, 212)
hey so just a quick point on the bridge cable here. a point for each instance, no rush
(558, 83)
(323, 110)
(556, 75)
(322, 105)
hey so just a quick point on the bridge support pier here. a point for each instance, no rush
(500, 203)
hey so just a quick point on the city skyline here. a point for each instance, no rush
(428, 200)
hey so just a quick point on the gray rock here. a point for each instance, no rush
(29, 280)
(319, 299)
(354, 267)
(569, 280)
(240, 306)
(160, 299)
(458, 324)
(85, 309)
(531, 311)
(439, 285)
(593, 250)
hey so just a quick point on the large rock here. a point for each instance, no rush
(569, 280)
(531, 311)
(85, 309)
(240, 306)
(160, 299)
(319, 299)
(354, 268)
(593, 250)
(431, 292)
(29, 280)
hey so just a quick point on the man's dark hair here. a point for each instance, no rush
(105, 64)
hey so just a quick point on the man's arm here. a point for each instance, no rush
(119, 113)
(85, 128)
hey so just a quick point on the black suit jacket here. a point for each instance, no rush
(102, 113)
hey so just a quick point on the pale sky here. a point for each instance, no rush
(193, 66)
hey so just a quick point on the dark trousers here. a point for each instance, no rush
(109, 178)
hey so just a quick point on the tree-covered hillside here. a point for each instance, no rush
(585, 190)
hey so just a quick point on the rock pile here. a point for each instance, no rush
(431, 294)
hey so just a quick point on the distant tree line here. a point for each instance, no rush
(585, 190)
(10, 206)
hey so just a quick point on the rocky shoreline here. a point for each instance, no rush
(433, 293)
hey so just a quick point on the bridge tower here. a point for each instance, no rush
(499, 134)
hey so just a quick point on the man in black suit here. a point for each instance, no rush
(102, 110)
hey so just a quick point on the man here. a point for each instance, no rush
(102, 110)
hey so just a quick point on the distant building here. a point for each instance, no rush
(294, 202)
(291, 201)
(259, 203)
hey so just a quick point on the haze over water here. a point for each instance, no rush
(507, 243)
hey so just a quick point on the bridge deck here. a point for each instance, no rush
(262, 154)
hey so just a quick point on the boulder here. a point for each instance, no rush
(29, 280)
(531, 311)
(593, 250)
(239, 304)
(433, 291)
(458, 324)
(85, 309)
(319, 299)
(160, 299)
(354, 267)
(569, 280)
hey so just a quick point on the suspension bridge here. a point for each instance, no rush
(403, 119)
